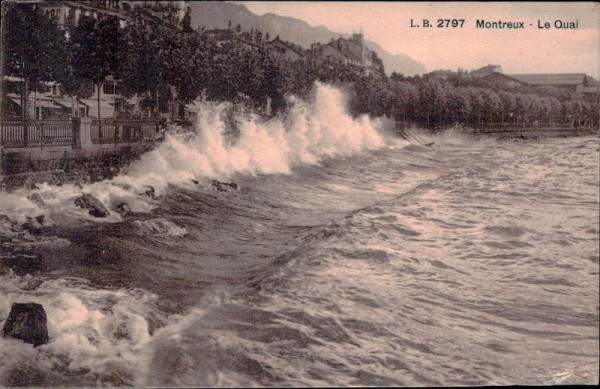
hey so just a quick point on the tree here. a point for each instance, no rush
(96, 45)
(34, 48)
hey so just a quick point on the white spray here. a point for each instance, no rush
(308, 133)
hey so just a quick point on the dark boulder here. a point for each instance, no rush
(37, 199)
(34, 224)
(225, 186)
(87, 201)
(40, 219)
(150, 192)
(28, 323)
(123, 208)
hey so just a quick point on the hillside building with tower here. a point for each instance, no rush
(352, 51)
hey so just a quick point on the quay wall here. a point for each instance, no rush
(86, 157)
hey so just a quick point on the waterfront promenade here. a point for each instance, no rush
(34, 146)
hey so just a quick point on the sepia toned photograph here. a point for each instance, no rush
(299, 193)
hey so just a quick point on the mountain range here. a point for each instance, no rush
(216, 14)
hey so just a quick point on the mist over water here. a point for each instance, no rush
(344, 257)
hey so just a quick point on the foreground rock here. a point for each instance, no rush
(34, 224)
(150, 192)
(225, 186)
(97, 209)
(37, 200)
(123, 208)
(28, 323)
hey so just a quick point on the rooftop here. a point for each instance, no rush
(551, 79)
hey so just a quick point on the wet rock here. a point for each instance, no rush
(28, 323)
(149, 191)
(95, 206)
(40, 219)
(43, 243)
(34, 224)
(123, 208)
(25, 375)
(22, 264)
(225, 186)
(37, 199)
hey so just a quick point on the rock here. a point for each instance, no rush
(97, 209)
(150, 192)
(27, 322)
(123, 208)
(34, 225)
(23, 264)
(40, 219)
(37, 199)
(224, 186)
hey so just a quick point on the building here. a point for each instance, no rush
(573, 82)
(593, 86)
(51, 103)
(486, 70)
(288, 50)
(169, 13)
(351, 51)
(442, 74)
(499, 79)
(219, 37)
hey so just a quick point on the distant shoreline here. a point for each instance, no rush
(507, 133)
(532, 133)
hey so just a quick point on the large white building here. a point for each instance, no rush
(170, 13)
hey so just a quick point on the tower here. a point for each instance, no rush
(358, 38)
(181, 8)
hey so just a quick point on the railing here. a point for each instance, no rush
(18, 133)
(104, 131)
(36, 133)
(107, 131)
(136, 130)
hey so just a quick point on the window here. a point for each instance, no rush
(108, 88)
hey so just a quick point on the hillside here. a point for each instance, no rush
(214, 14)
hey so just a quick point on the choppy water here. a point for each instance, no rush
(355, 259)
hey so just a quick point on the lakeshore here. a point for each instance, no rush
(195, 195)
(87, 158)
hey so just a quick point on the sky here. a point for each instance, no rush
(528, 50)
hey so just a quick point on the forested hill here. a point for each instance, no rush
(216, 14)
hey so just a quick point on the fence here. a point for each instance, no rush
(122, 131)
(18, 133)
(36, 133)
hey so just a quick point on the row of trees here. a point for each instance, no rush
(435, 102)
(169, 66)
